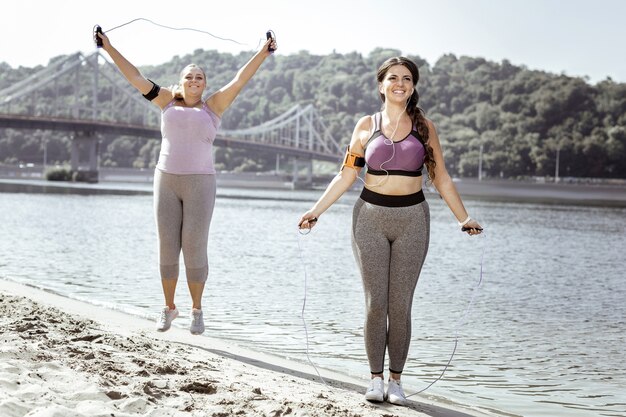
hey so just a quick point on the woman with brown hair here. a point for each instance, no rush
(391, 220)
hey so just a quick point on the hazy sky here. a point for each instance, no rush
(575, 37)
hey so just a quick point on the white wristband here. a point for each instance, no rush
(464, 222)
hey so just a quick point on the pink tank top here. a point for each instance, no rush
(188, 135)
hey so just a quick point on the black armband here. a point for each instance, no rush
(153, 93)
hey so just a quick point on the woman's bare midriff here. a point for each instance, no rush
(393, 184)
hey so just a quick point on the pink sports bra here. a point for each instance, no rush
(404, 157)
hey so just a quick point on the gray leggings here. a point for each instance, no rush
(183, 207)
(390, 236)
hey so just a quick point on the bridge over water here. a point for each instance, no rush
(299, 133)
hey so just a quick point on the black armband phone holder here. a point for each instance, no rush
(352, 160)
(153, 93)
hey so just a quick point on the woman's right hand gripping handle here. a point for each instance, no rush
(307, 220)
(106, 44)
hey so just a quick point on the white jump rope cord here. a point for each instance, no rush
(306, 331)
(184, 28)
(458, 325)
(460, 322)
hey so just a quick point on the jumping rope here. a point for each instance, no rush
(390, 142)
(306, 331)
(460, 322)
(301, 233)
(98, 41)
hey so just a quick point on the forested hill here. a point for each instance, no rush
(519, 116)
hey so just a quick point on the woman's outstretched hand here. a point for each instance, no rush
(270, 43)
(307, 221)
(472, 228)
(106, 44)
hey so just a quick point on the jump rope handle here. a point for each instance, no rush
(96, 38)
(270, 35)
(465, 229)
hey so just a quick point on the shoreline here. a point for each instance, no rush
(546, 193)
(488, 190)
(64, 357)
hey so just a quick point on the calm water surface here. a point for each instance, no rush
(545, 335)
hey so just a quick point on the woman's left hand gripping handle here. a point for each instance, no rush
(96, 36)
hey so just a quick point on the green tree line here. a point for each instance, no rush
(519, 117)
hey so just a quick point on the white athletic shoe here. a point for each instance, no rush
(197, 322)
(164, 322)
(376, 391)
(395, 394)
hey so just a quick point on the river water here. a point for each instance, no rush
(544, 336)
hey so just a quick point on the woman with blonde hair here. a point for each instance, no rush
(184, 179)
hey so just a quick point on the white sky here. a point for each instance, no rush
(575, 37)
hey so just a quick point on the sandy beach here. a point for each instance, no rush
(61, 357)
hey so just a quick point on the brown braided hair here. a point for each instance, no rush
(413, 110)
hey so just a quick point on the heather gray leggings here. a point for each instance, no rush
(183, 207)
(390, 236)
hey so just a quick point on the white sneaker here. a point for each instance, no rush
(376, 390)
(197, 321)
(164, 322)
(395, 394)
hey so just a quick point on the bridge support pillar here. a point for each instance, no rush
(294, 180)
(309, 172)
(84, 142)
(302, 183)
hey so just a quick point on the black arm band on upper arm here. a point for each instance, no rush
(153, 93)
